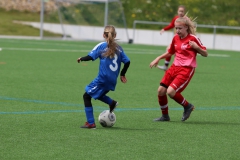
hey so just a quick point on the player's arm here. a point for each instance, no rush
(156, 60)
(168, 53)
(200, 50)
(124, 71)
(170, 26)
(86, 58)
(93, 54)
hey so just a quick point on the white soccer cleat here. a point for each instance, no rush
(163, 67)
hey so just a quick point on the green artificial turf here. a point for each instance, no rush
(41, 106)
(9, 27)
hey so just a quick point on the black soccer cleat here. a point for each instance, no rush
(187, 111)
(113, 106)
(165, 117)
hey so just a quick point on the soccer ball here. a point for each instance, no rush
(107, 119)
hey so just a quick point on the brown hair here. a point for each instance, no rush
(109, 35)
(182, 6)
(188, 22)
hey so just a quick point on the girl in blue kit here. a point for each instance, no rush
(111, 56)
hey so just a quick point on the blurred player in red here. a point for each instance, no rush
(180, 13)
(185, 45)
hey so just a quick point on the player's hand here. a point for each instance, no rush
(154, 63)
(123, 79)
(186, 17)
(193, 44)
(162, 30)
(79, 60)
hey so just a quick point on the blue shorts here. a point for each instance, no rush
(95, 91)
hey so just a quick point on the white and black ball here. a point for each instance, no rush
(107, 119)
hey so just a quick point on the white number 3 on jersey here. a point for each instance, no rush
(115, 67)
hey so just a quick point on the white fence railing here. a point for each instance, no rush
(140, 36)
(214, 27)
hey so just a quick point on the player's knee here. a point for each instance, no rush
(171, 92)
(86, 96)
(162, 91)
(87, 100)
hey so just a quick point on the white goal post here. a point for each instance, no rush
(84, 2)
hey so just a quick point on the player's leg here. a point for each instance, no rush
(167, 61)
(162, 96)
(89, 112)
(106, 99)
(178, 97)
(163, 103)
(177, 86)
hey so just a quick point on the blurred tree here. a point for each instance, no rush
(212, 12)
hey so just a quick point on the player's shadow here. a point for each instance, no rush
(170, 122)
(132, 129)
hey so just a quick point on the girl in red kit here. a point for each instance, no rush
(185, 45)
(180, 13)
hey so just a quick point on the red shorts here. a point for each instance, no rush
(178, 77)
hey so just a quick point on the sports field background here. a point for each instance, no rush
(41, 106)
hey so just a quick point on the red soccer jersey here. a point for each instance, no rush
(184, 54)
(171, 25)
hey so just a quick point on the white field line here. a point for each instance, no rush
(43, 50)
(90, 46)
(46, 43)
(128, 51)
(218, 55)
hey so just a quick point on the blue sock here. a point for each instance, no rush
(106, 99)
(89, 114)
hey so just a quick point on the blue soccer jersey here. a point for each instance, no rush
(109, 68)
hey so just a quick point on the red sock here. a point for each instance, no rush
(180, 99)
(168, 59)
(163, 102)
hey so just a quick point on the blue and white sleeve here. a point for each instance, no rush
(96, 51)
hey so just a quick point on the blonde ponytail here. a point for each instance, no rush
(110, 34)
